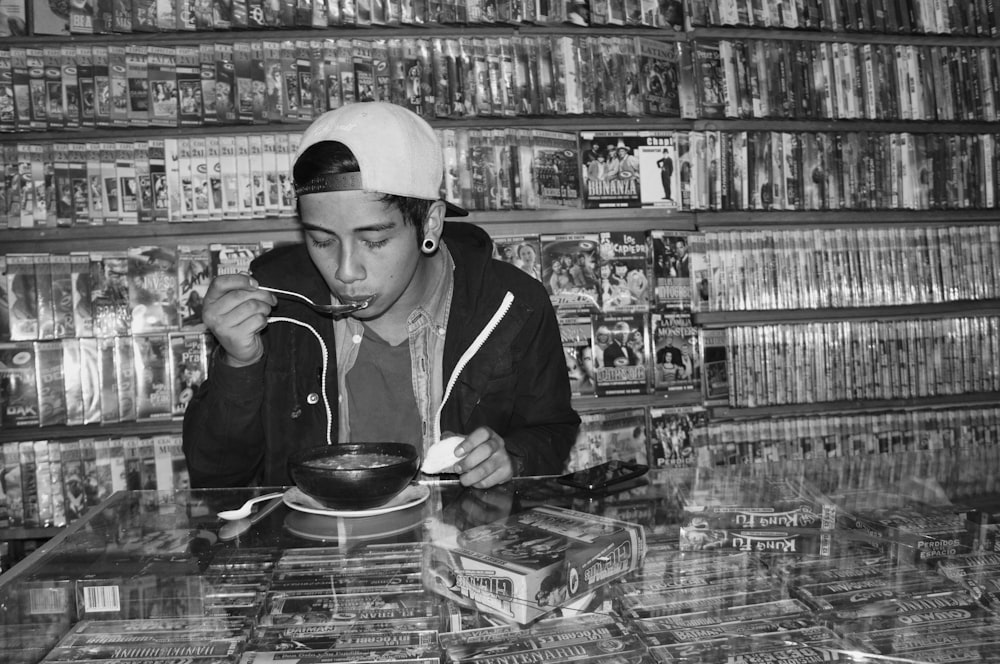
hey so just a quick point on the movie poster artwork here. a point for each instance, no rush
(630, 169)
(676, 435)
(624, 271)
(621, 353)
(671, 270)
(610, 168)
(569, 270)
(676, 355)
(575, 333)
(521, 251)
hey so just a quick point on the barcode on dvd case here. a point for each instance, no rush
(47, 601)
(98, 599)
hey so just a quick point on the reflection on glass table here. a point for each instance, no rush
(843, 555)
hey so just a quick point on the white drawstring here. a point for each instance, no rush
(326, 362)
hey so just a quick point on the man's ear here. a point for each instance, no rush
(434, 221)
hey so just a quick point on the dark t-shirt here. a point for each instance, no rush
(380, 394)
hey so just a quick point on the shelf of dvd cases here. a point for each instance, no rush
(867, 19)
(704, 77)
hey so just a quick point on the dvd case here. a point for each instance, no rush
(677, 435)
(51, 388)
(521, 251)
(556, 180)
(194, 272)
(676, 353)
(18, 385)
(621, 353)
(610, 169)
(107, 380)
(152, 376)
(671, 270)
(569, 270)
(153, 292)
(575, 332)
(525, 566)
(624, 270)
(22, 300)
(188, 359)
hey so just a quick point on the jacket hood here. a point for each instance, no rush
(472, 250)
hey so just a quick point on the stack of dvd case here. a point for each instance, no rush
(200, 638)
(728, 509)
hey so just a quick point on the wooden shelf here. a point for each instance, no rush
(286, 229)
(581, 403)
(856, 37)
(116, 429)
(976, 399)
(173, 38)
(845, 126)
(591, 404)
(552, 122)
(498, 222)
(507, 30)
(724, 319)
(804, 219)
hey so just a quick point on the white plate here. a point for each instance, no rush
(414, 494)
(347, 531)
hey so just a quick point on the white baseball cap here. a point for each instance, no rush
(397, 151)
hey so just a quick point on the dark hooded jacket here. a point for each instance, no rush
(243, 423)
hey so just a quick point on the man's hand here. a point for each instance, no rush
(484, 461)
(236, 311)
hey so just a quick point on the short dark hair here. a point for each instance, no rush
(333, 157)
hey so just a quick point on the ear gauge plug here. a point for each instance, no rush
(429, 246)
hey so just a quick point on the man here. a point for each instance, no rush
(682, 257)
(666, 166)
(450, 340)
(628, 163)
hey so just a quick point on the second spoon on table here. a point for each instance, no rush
(244, 511)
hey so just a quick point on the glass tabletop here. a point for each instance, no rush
(147, 554)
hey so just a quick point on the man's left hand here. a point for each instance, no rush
(484, 461)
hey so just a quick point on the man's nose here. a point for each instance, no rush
(349, 266)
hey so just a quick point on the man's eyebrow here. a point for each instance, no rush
(373, 228)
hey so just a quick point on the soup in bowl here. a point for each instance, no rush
(354, 476)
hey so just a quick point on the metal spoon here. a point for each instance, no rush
(244, 511)
(333, 309)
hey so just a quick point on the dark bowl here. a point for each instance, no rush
(354, 476)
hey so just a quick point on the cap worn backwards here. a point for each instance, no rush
(397, 152)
